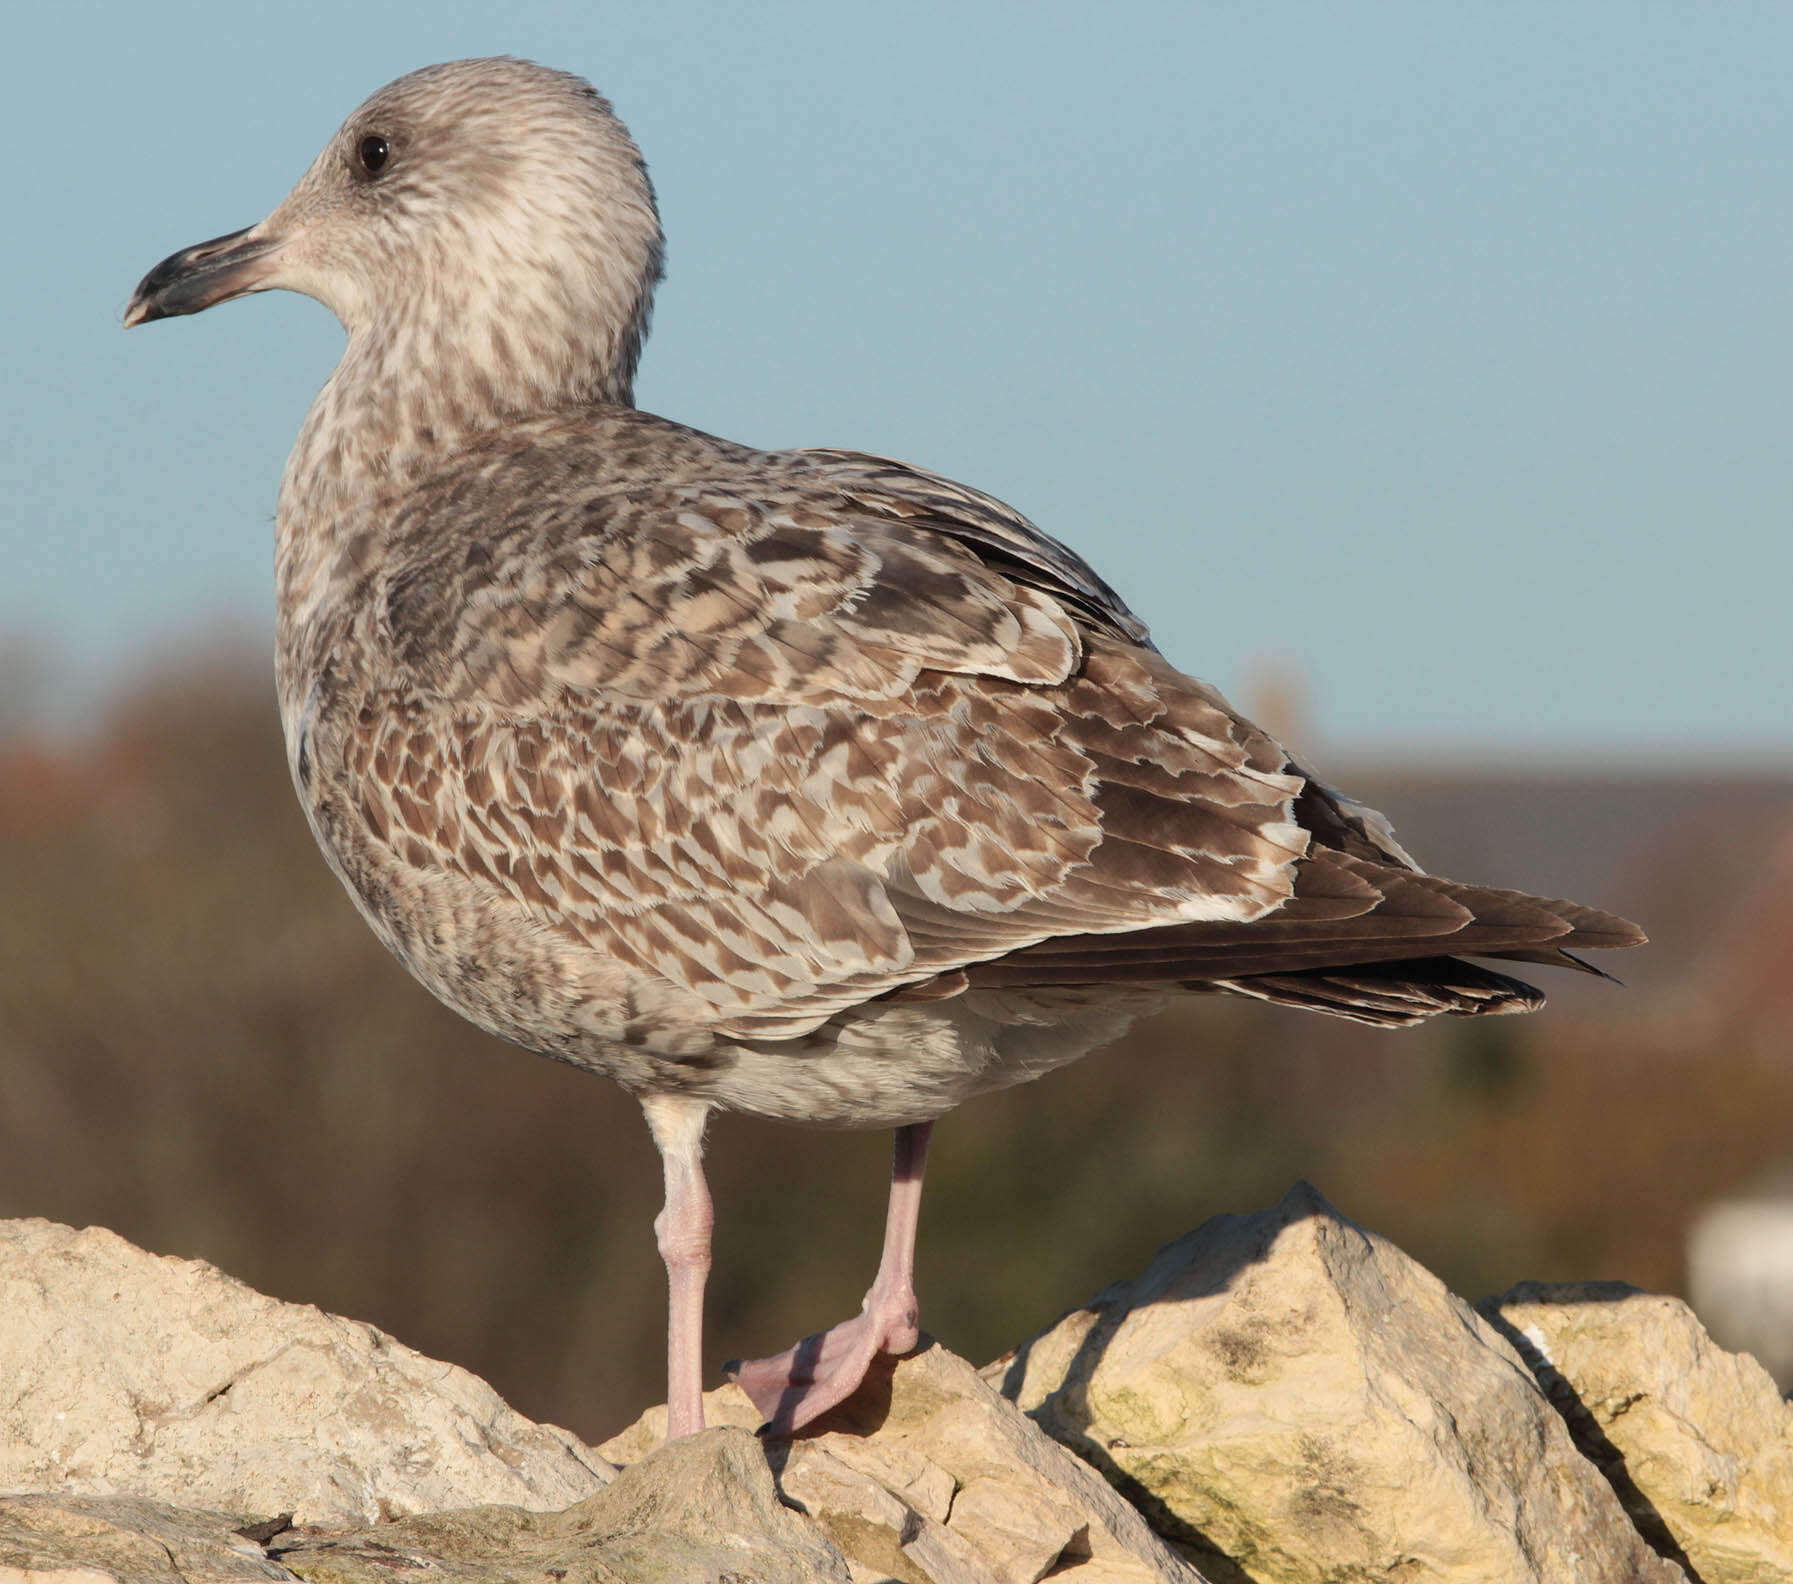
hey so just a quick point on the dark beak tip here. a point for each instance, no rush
(198, 277)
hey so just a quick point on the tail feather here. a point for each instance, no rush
(1397, 994)
(1358, 938)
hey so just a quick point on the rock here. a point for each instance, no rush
(1284, 1396)
(1293, 1399)
(881, 1535)
(700, 1512)
(93, 1540)
(131, 1374)
(1697, 1442)
(928, 1475)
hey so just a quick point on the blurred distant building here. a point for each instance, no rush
(1739, 994)
(1740, 1277)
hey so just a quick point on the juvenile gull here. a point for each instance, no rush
(807, 784)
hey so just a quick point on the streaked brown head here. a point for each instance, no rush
(487, 212)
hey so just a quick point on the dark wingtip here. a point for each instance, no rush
(1600, 973)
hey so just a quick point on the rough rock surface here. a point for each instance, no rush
(96, 1539)
(127, 1373)
(1295, 1400)
(1698, 1442)
(703, 1511)
(928, 1475)
(1283, 1397)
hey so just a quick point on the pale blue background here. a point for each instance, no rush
(1443, 351)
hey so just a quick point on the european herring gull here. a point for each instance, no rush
(807, 784)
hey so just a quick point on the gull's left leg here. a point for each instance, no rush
(797, 1385)
(683, 1231)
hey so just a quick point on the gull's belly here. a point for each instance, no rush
(888, 1065)
(509, 969)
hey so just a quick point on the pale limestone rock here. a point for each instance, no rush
(1698, 1442)
(699, 1512)
(97, 1539)
(126, 1373)
(1024, 1531)
(710, 1498)
(881, 1535)
(1295, 1400)
(1289, 1397)
(929, 1476)
(726, 1405)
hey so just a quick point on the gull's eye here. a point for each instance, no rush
(373, 152)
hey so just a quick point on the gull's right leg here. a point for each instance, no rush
(805, 1381)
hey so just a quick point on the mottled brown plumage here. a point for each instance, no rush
(802, 783)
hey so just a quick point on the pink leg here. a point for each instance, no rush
(806, 1381)
(683, 1231)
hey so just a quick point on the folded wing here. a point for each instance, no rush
(793, 731)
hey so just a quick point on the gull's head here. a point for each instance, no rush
(488, 214)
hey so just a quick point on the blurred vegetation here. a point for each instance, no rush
(202, 1047)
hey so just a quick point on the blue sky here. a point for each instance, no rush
(1439, 352)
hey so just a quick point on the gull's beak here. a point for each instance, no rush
(204, 274)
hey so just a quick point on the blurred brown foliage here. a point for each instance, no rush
(202, 1047)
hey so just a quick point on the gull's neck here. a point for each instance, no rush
(404, 395)
(404, 399)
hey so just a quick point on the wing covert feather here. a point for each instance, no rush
(790, 751)
(788, 863)
(793, 731)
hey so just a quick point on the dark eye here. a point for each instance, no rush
(373, 152)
